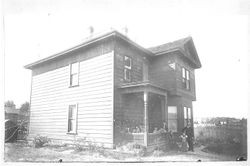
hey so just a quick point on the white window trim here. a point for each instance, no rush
(127, 68)
(130, 59)
(70, 73)
(188, 114)
(186, 78)
(76, 119)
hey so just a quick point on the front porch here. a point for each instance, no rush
(144, 116)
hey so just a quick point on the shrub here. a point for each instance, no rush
(82, 144)
(79, 147)
(141, 151)
(40, 141)
(79, 144)
(201, 133)
(158, 153)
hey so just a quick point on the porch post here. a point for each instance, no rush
(145, 97)
(166, 109)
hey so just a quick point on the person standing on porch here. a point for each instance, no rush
(184, 144)
(189, 132)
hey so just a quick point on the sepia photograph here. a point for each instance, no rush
(119, 81)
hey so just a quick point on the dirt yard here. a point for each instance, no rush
(22, 152)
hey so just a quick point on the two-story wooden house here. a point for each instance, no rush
(111, 90)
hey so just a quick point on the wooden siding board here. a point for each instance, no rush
(121, 50)
(83, 54)
(92, 136)
(104, 77)
(71, 138)
(89, 102)
(161, 73)
(180, 90)
(94, 123)
(92, 109)
(51, 97)
(95, 91)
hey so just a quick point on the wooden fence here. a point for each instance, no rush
(229, 134)
(218, 132)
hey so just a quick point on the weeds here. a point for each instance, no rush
(134, 148)
(82, 144)
(40, 141)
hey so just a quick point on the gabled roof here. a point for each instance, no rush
(169, 46)
(150, 52)
(178, 45)
(87, 42)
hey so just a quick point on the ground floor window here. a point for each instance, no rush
(187, 115)
(72, 118)
(172, 118)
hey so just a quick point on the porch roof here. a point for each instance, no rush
(142, 86)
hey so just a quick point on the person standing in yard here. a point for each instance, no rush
(184, 145)
(189, 132)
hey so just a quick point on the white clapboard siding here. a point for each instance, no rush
(51, 97)
(63, 138)
(56, 89)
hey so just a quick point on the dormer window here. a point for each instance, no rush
(185, 79)
(127, 68)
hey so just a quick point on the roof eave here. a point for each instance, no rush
(91, 41)
(196, 65)
(167, 51)
(196, 54)
(148, 52)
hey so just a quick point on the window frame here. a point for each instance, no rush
(173, 119)
(75, 118)
(127, 69)
(74, 74)
(185, 78)
(187, 115)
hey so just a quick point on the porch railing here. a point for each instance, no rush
(154, 139)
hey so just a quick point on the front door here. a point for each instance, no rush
(171, 116)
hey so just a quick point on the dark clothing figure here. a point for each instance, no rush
(184, 144)
(189, 132)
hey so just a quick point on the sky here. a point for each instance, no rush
(34, 29)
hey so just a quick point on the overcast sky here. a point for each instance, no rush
(34, 29)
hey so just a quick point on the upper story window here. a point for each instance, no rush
(127, 68)
(185, 78)
(74, 74)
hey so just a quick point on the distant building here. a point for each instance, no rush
(11, 113)
(218, 121)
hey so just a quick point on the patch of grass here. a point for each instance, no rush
(223, 148)
(21, 152)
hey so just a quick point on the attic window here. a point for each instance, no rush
(185, 78)
(127, 68)
(74, 74)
